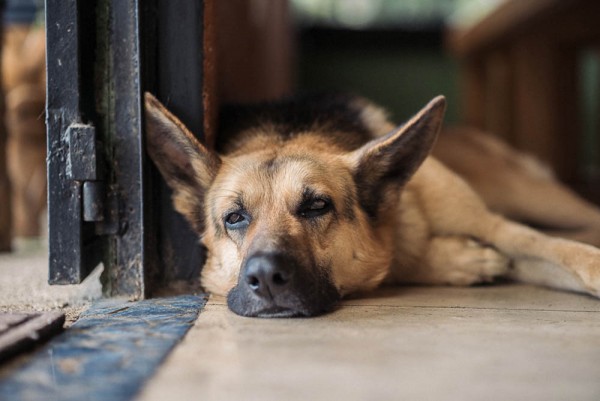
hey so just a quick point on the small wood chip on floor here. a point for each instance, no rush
(21, 331)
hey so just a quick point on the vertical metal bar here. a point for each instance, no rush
(73, 249)
(127, 249)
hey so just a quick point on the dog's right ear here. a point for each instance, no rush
(388, 162)
(185, 164)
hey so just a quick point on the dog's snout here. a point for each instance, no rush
(267, 275)
(278, 284)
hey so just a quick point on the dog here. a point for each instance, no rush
(312, 199)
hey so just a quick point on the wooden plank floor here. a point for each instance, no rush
(505, 342)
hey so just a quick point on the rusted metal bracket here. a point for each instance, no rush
(84, 162)
(86, 165)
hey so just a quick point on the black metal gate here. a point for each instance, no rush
(106, 201)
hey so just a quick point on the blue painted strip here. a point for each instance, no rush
(107, 354)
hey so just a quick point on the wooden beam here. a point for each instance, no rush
(254, 42)
(499, 87)
(511, 19)
(473, 93)
(545, 104)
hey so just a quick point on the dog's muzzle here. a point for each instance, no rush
(276, 285)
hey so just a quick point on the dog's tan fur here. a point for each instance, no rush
(517, 185)
(390, 222)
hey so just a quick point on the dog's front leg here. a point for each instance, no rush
(456, 260)
(451, 208)
(541, 259)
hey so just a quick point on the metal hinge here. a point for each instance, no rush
(86, 165)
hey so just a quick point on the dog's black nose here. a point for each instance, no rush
(276, 284)
(268, 274)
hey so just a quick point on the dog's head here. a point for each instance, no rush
(291, 226)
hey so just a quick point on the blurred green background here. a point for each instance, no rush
(392, 51)
(387, 50)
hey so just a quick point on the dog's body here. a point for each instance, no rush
(307, 201)
(517, 185)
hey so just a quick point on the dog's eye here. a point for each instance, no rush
(235, 220)
(314, 208)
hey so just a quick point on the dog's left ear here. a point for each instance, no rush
(187, 166)
(392, 159)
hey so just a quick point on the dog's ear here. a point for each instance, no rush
(185, 164)
(392, 159)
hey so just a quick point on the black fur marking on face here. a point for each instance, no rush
(349, 201)
(216, 222)
(372, 187)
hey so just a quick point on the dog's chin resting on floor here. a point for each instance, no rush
(310, 199)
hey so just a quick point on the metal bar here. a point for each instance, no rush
(94, 194)
(83, 163)
(73, 249)
(127, 250)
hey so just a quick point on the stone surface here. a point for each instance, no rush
(508, 342)
(24, 286)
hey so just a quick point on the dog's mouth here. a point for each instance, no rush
(273, 285)
(251, 306)
(280, 312)
(277, 312)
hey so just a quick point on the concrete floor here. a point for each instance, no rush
(24, 285)
(510, 342)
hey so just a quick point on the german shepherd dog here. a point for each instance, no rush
(309, 200)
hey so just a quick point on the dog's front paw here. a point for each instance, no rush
(590, 276)
(462, 261)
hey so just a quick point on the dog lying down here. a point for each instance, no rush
(309, 200)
